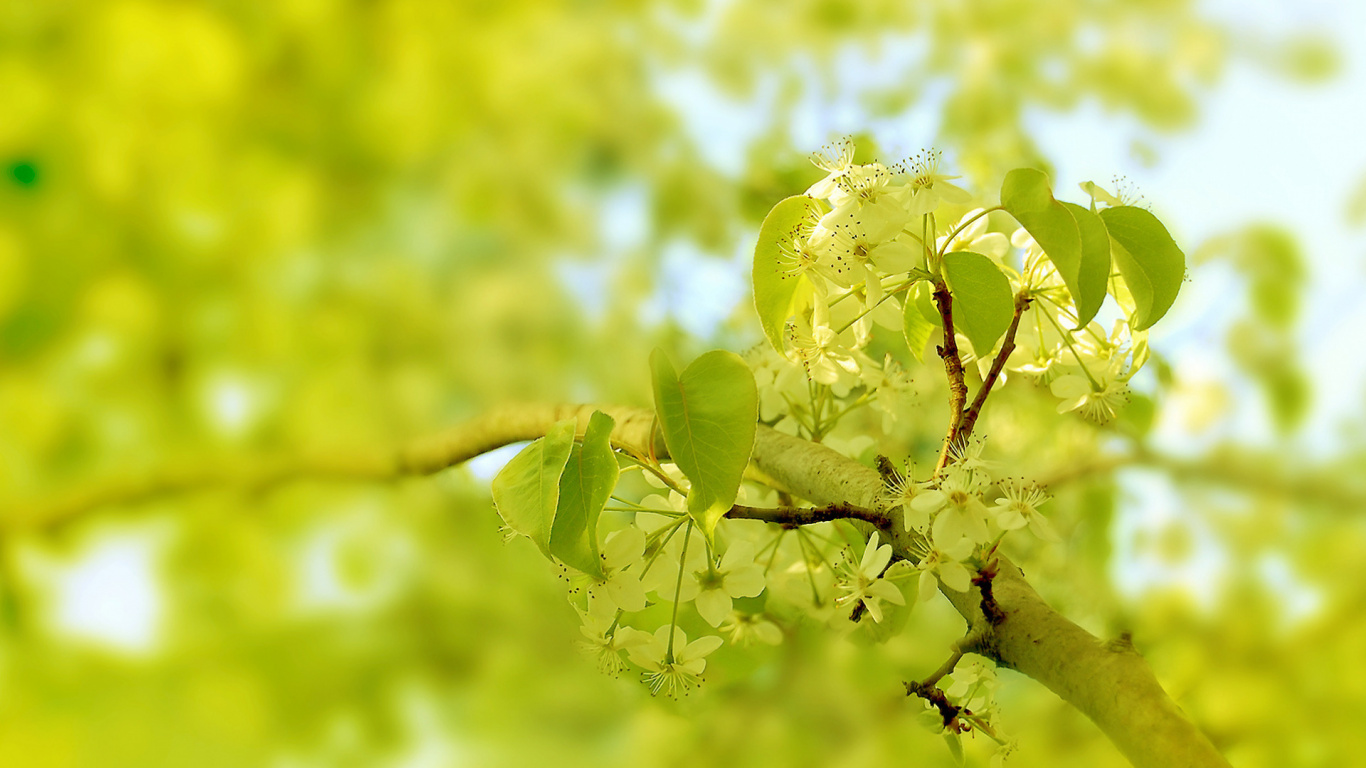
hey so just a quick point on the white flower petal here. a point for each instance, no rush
(929, 501)
(887, 591)
(625, 590)
(955, 576)
(745, 582)
(624, 547)
(700, 648)
(713, 606)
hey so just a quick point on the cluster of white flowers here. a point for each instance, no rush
(858, 258)
(955, 531)
(857, 255)
(660, 557)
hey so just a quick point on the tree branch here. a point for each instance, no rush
(795, 516)
(1108, 682)
(634, 432)
(969, 421)
(953, 366)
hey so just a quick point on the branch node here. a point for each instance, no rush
(990, 609)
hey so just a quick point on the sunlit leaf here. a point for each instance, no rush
(1149, 260)
(527, 490)
(708, 416)
(917, 328)
(586, 484)
(1026, 195)
(1094, 273)
(774, 285)
(982, 302)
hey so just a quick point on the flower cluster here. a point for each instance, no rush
(954, 529)
(659, 557)
(872, 243)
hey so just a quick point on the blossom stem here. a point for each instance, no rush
(958, 230)
(672, 529)
(772, 558)
(678, 590)
(655, 470)
(811, 577)
(1067, 339)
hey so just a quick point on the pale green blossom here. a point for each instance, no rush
(736, 576)
(957, 510)
(1019, 507)
(864, 582)
(927, 188)
(671, 668)
(621, 585)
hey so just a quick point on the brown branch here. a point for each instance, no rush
(953, 367)
(797, 516)
(969, 421)
(990, 610)
(948, 711)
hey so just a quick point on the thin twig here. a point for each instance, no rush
(798, 516)
(969, 421)
(953, 366)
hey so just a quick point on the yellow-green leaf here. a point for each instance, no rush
(586, 484)
(774, 282)
(708, 416)
(1093, 275)
(527, 490)
(1027, 196)
(1149, 260)
(982, 302)
(916, 326)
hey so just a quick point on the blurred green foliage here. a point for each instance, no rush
(256, 229)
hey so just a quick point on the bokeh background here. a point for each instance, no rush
(232, 233)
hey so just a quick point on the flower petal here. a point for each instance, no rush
(745, 582)
(713, 606)
(887, 591)
(700, 648)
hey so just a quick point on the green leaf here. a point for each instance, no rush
(955, 742)
(586, 484)
(708, 416)
(917, 329)
(773, 286)
(924, 301)
(1152, 266)
(1025, 194)
(527, 490)
(982, 302)
(1094, 273)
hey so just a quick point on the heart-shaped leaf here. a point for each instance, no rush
(708, 416)
(982, 302)
(527, 490)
